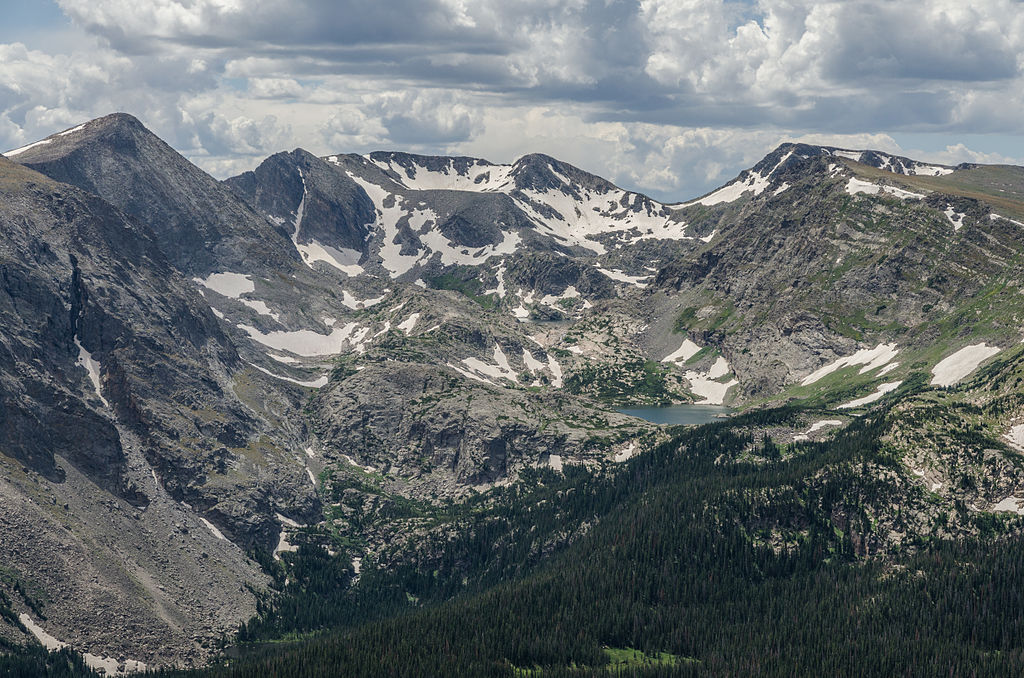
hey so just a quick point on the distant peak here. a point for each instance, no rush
(114, 125)
(890, 162)
(117, 119)
(537, 158)
(425, 160)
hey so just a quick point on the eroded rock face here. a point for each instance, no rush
(117, 401)
(437, 436)
(335, 210)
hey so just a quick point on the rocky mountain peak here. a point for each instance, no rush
(119, 129)
(897, 164)
(200, 224)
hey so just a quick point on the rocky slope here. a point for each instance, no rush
(108, 359)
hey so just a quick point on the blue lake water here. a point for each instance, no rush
(676, 415)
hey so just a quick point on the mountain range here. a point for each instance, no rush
(201, 380)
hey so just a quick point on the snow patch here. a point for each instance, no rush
(556, 371)
(91, 366)
(19, 151)
(73, 130)
(849, 155)
(870, 358)
(48, 641)
(409, 323)
(880, 391)
(343, 259)
(993, 217)
(212, 528)
(231, 285)
(350, 301)
(480, 176)
(555, 462)
(305, 343)
(712, 391)
(955, 218)
(953, 368)
(855, 186)
(818, 425)
(316, 383)
(920, 169)
(313, 251)
(616, 274)
(578, 217)
(1016, 436)
(452, 254)
(754, 183)
(108, 665)
(887, 369)
(285, 520)
(570, 293)
(500, 289)
(368, 469)
(471, 375)
(719, 369)
(1009, 505)
(283, 545)
(500, 370)
(531, 363)
(387, 221)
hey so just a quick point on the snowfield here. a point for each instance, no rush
(870, 358)
(686, 350)
(91, 366)
(952, 369)
(306, 343)
(855, 186)
(712, 391)
(880, 391)
(1016, 436)
(231, 285)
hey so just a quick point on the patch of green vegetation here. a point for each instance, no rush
(633, 381)
(629, 658)
(29, 591)
(464, 281)
(344, 367)
(257, 451)
(685, 319)
(701, 355)
(688, 318)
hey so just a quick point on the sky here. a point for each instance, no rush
(669, 97)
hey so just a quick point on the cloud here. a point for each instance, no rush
(667, 95)
(425, 117)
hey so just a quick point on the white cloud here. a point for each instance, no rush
(671, 96)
